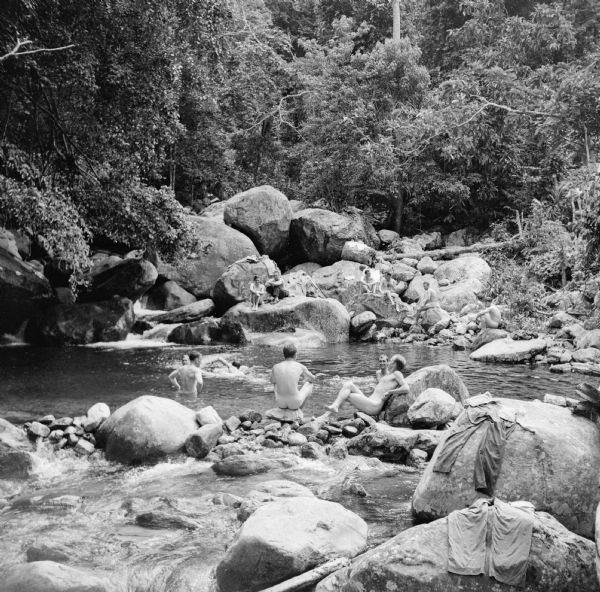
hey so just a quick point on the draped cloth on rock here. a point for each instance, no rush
(491, 537)
(497, 423)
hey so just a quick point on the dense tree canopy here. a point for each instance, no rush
(483, 108)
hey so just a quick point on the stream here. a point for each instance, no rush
(86, 506)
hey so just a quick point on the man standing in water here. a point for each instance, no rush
(286, 375)
(188, 379)
(391, 383)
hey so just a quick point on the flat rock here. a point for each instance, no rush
(186, 314)
(251, 464)
(285, 415)
(509, 351)
(48, 576)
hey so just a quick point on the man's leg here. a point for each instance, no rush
(488, 323)
(345, 392)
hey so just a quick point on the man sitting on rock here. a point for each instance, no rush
(389, 384)
(428, 300)
(286, 375)
(387, 287)
(369, 281)
(257, 292)
(491, 317)
(188, 379)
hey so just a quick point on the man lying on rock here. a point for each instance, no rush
(286, 375)
(392, 383)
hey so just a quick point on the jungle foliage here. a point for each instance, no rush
(484, 108)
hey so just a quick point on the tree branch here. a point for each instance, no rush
(17, 50)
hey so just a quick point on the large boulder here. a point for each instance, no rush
(442, 377)
(262, 213)
(359, 252)
(129, 279)
(429, 240)
(234, 284)
(287, 537)
(320, 235)
(416, 290)
(455, 297)
(434, 319)
(340, 280)
(168, 296)
(9, 243)
(80, 324)
(551, 459)
(48, 576)
(325, 315)
(186, 314)
(207, 331)
(587, 339)
(215, 211)
(297, 283)
(509, 351)
(401, 272)
(146, 429)
(381, 307)
(216, 247)
(432, 408)
(416, 560)
(309, 267)
(464, 268)
(21, 290)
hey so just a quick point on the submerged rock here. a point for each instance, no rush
(509, 351)
(416, 560)
(146, 429)
(262, 213)
(325, 315)
(285, 538)
(47, 576)
(543, 466)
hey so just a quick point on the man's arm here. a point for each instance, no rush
(173, 378)
(199, 381)
(308, 375)
(402, 388)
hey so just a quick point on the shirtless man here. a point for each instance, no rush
(387, 287)
(428, 300)
(369, 281)
(391, 383)
(188, 379)
(382, 370)
(491, 317)
(286, 375)
(257, 292)
(221, 365)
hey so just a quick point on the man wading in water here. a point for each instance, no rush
(286, 375)
(188, 379)
(389, 384)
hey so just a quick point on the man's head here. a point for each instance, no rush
(195, 358)
(185, 359)
(426, 285)
(255, 278)
(236, 364)
(383, 360)
(289, 351)
(388, 275)
(396, 363)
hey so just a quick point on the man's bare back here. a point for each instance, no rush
(286, 375)
(188, 379)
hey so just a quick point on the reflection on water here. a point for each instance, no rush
(95, 522)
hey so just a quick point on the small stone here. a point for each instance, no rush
(296, 439)
(269, 443)
(62, 423)
(44, 552)
(416, 458)
(233, 423)
(250, 415)
(285, 415)
(333, 430)
(246, 425)
(38, 430)
(98, 412)
(90, 438)
(368, 419)
(272, 427)
(203, 440)
(228, 499)
(47, 419)
(226, 440)
(73, 439)
(322, 435)
(70, 430)
(349, 431)
(256, 432)
(338, 450)
(56, 435)
(78, 421)
(84, 447)
(311, 450)
(61, 444)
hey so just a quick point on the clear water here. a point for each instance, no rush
(96, 526)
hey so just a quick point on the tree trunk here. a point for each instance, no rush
(396, 16)
(396, 215)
